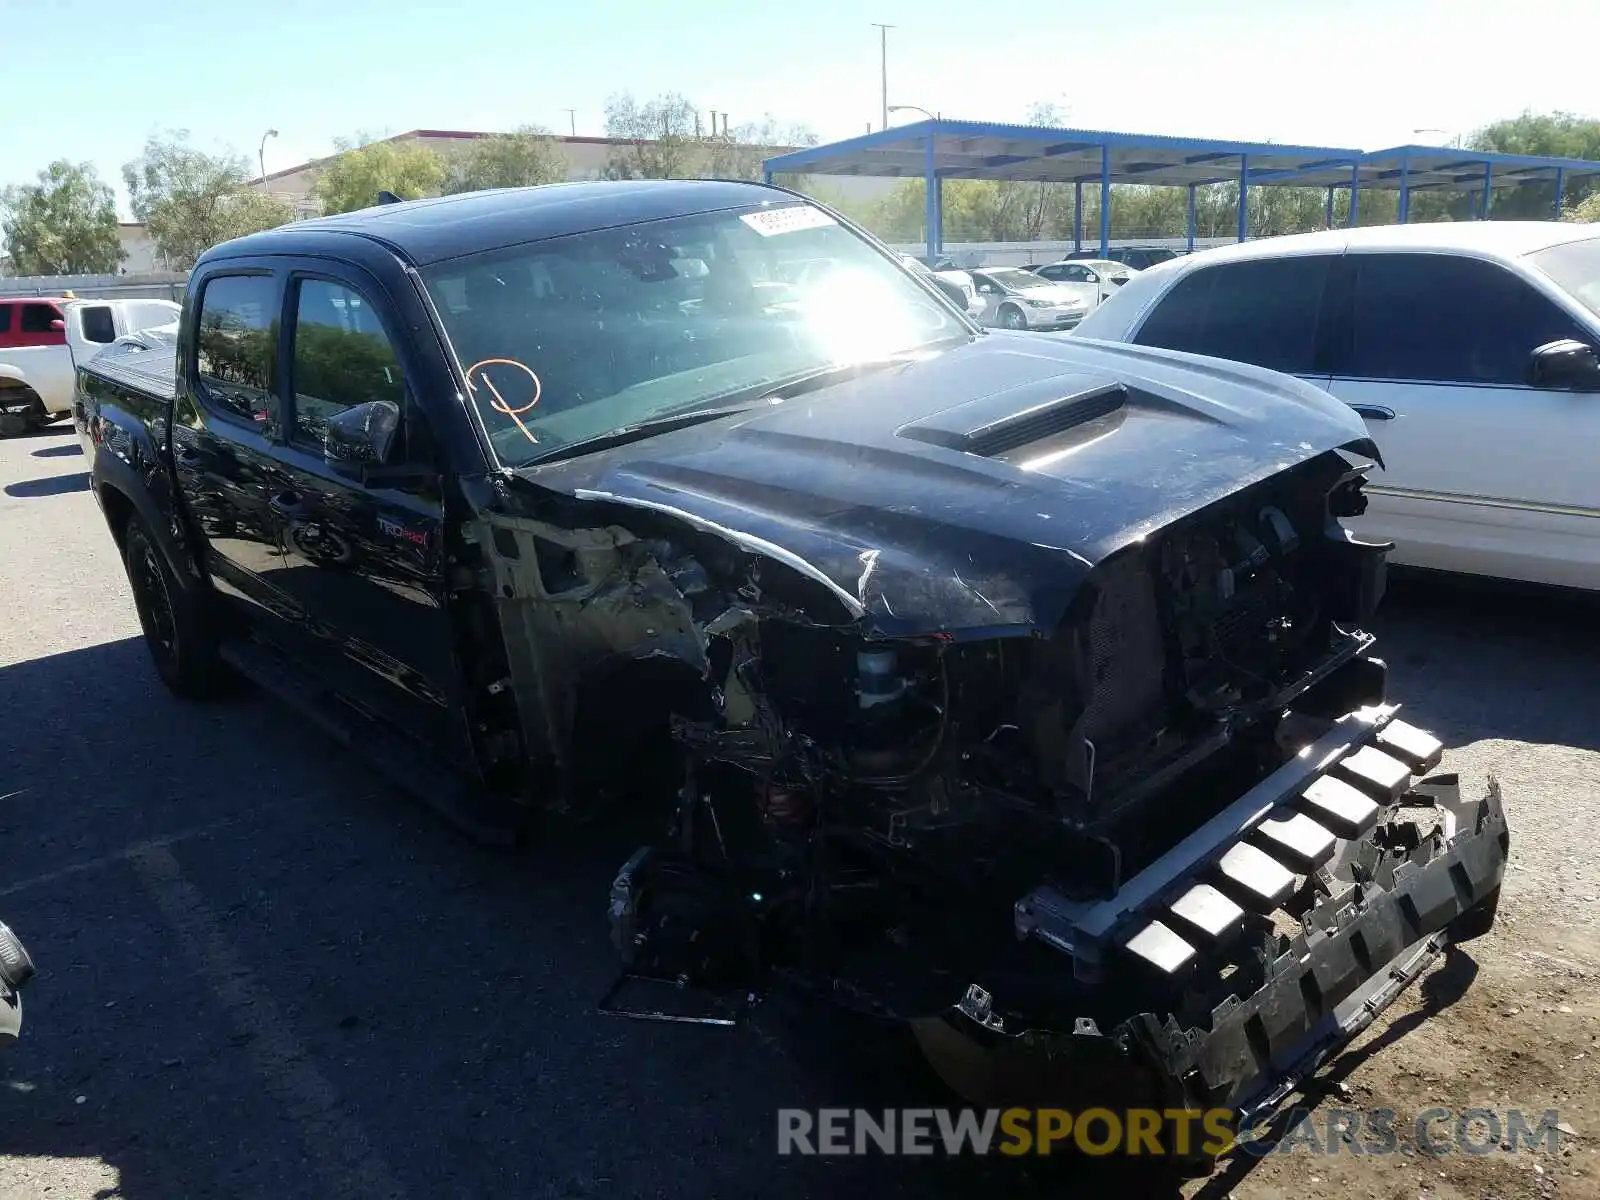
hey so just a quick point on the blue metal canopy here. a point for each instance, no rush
(936, 150)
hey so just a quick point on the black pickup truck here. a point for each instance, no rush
(1011, 685)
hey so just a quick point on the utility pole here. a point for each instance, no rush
(572, 118)
(883, 55)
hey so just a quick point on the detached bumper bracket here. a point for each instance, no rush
(1329, 986)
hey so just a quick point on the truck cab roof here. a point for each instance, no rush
(445, 227)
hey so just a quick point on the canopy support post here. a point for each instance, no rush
(1105, 200)
(1244, 196)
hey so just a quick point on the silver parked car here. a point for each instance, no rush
(1093, 278)
(1017, 299)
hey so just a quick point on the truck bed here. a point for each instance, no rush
(146, 361)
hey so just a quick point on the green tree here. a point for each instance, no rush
(524, 158)
(190, 200)
(65, 224)
(660, 137)
(739, 154)
(1587, 209)
(1555, 135)
(363, 168)
(665, 140)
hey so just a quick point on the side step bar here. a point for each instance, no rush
(399, 761)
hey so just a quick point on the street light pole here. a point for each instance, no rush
(894, 108)
(883, 55)
(261, 151)
(572, 119)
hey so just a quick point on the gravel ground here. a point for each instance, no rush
(265, 974)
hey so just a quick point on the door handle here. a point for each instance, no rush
(1374, 412)
(287, 505)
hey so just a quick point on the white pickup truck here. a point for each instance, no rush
(43, 339)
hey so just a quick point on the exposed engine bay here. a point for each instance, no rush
(914, 826)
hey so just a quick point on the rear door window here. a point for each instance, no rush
(1265, 312)
(1447, 318)
(97, 324)
(237, 343)
(5, 317)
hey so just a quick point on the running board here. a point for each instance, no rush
(398, 760)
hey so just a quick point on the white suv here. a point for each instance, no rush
(1470, 349)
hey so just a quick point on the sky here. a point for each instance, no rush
(99, 78)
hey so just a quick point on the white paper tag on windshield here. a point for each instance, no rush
(770, 222)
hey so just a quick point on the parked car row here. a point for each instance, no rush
(44, 338)
(1471, 350)
(1005, 296)
(1140, 258)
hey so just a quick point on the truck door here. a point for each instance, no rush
(363, 558)
(225, 418)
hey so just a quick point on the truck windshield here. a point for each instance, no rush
(571, 338)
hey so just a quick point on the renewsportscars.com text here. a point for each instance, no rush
(1159, 1132)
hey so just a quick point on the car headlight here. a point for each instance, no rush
(1039, 303)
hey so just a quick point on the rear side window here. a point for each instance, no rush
(342, 357)
(1263, 312)
(5, 317)
(97, 324)
(236, 344)
(1447, 318)
(36, 318)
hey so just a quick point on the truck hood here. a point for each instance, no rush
(975, 489)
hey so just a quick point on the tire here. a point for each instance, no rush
(1012, 318)
(26, 414)
(179, 629)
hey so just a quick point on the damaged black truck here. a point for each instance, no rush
(1011, 685)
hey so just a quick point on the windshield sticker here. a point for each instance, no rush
(478, 373)
(770, 222)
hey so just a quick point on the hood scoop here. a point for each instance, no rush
(993, 425)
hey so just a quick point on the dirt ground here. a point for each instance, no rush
(1508, 1022)
(1512, 1021)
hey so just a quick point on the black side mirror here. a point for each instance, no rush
(1568, 364)
(361, 437)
